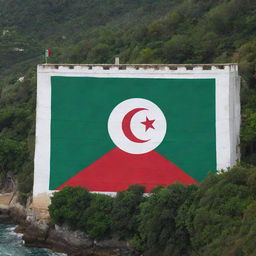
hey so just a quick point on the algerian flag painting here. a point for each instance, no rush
(109, 133)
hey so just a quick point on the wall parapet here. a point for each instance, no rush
(160, 67)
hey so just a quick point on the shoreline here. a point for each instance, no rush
(37, 231)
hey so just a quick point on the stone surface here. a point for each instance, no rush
(4, 214)
(111, 243)
(74, 238)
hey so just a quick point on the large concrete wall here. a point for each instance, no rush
(227, 93)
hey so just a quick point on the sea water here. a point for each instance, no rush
(11, 244)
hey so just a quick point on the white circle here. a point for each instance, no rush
(152, 137)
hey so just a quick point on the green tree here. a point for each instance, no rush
(177, 49)
(98, 219)
(158, 228)
(68, 206)
(125, 210)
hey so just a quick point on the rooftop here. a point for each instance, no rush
(219, 66)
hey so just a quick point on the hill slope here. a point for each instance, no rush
(95, 31)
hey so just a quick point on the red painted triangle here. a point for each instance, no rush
(117, 170)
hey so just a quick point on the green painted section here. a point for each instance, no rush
(81, 107)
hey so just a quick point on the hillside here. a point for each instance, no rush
(145, 31)
(33, 25)
(216, 217)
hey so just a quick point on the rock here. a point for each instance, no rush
(4, 217)
(75, 238)
(4, 210)
(68, 240)
(111, 243)
(4, 213)
(36, 232)
(19, 229)
(18, 213)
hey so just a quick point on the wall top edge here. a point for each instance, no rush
(165, 67)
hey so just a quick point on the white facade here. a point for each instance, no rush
(227, 107)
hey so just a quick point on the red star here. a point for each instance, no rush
(148, 124)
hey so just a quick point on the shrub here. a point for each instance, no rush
(157, 221)
(68, 206)
(98, 222)
(125, 210)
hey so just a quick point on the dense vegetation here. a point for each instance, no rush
(219, 214)
(216, 217)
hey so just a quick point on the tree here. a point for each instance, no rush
(158, 228)
(98, 219)
(68, 206)
(177, 49)
(125, 210)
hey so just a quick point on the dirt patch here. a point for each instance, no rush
(5, 199)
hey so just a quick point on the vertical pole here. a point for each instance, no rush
(117, 62)
(45, 56)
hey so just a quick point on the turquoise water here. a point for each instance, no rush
(11, 244)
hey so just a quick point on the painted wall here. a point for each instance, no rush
(184, 121)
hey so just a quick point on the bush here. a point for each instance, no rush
(12, 155)
(217, 213)
(157, 221)
(99, 220)
(68, 206)
(125, 211)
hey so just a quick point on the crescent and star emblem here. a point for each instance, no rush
(137, 126)
(126, 125)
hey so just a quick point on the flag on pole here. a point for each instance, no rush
(110, 133)
(47, 53)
